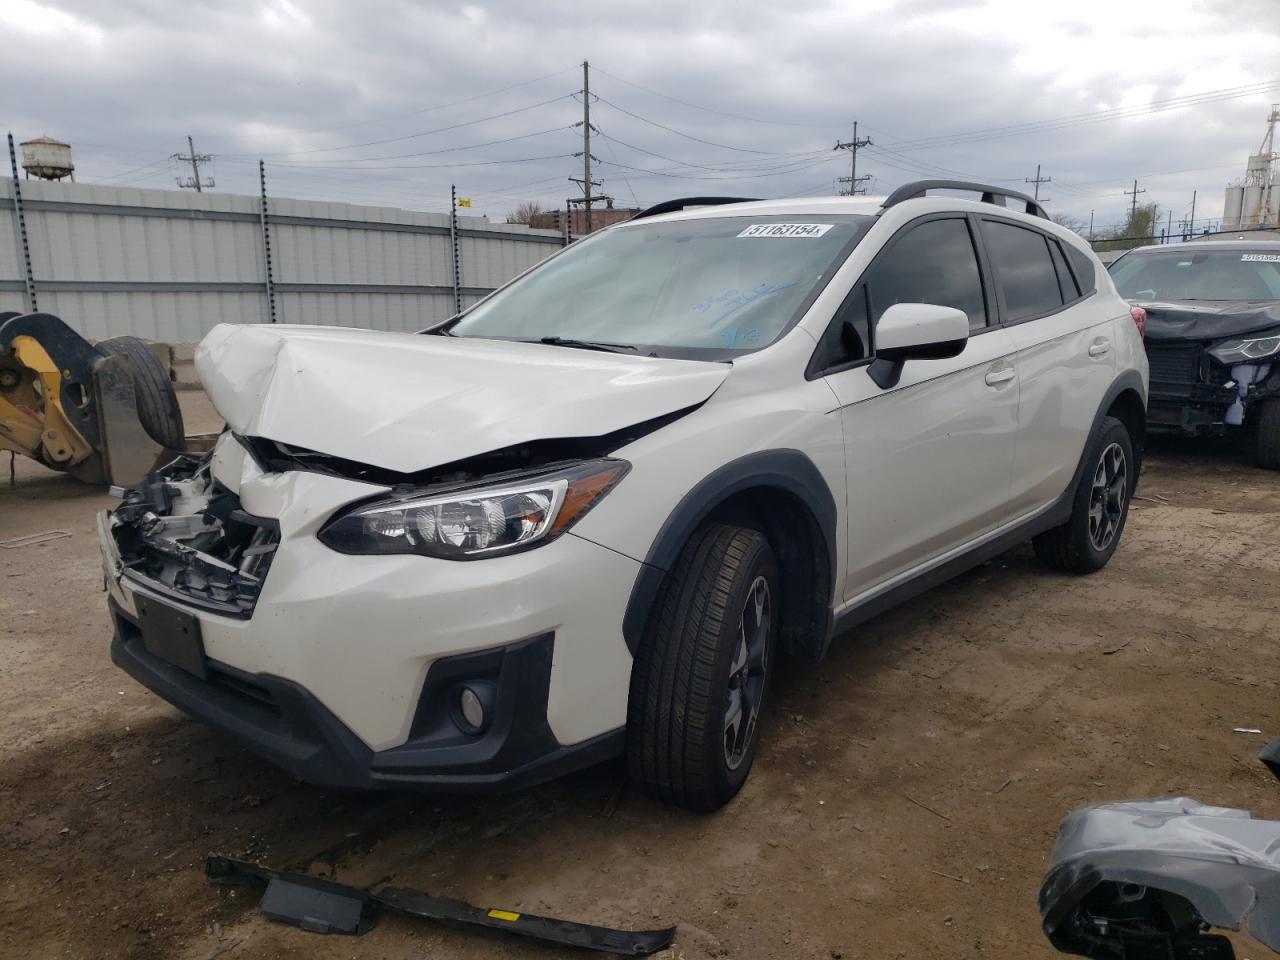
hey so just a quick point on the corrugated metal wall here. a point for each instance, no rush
(169, 265)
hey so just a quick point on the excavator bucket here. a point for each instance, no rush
(104, 413)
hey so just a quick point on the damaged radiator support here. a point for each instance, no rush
(326, 906)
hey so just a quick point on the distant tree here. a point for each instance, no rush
(525, 212)
(1074, 224)
(1139, 227)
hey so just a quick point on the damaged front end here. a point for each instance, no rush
(1210, 363)
(1147, 879)
(184, 536)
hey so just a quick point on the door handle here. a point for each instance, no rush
(1000, 375)
(1099, 347)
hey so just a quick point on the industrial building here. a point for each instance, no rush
(1254, 202)
(169, 265)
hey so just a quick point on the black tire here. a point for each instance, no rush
(683, 682)
(158, 408)
(1267, 452)
(1078, 546)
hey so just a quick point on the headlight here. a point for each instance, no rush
(1247, 351)
(467, 523)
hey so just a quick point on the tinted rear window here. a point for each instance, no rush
(1082, 264)
(1023, 268)
(1068, 284)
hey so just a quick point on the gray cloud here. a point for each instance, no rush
(125, 82)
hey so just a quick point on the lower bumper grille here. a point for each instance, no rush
(1175, 368)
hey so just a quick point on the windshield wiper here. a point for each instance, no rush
(587, 344)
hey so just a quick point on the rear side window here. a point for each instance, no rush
(1024, 270)
(1082, 264)
(1066, 282)
(933, 262)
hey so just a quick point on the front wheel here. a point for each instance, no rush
(1099, 506)
(1268, 442)
(700, 677)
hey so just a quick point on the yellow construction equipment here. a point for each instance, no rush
(104, 412)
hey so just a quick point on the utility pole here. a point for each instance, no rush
(1090, 225)
(586, 183)
(195, 159)
(1133, 207)
(1037, 180)
(1193, 213)
(586, 141)
(853, 179)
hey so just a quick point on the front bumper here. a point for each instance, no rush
(283, 722)
(335, 672)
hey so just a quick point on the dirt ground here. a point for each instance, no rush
(904, 804)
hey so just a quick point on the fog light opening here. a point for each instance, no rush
(470, 712)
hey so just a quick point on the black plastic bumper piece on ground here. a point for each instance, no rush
(283, 722)
(325, 906)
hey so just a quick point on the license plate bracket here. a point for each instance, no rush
(173, 635)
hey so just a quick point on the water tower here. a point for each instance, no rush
(47, 159)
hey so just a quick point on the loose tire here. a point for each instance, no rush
(158, 408)
(1267, 451)
(699, 681)
(1100, 505)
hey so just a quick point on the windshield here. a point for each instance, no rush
(706, 289)
(1199, 275)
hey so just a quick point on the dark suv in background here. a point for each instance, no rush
(1212, 335)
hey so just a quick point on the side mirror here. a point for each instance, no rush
(915, 331)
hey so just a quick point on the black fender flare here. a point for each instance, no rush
(787, 469)
(1129, 380)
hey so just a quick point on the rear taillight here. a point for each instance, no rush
(1140, 319)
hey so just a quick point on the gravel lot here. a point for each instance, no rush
(906, 798)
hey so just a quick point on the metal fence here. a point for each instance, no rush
(169, 265)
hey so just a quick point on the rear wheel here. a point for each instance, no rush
(1267, 451)
(700, 678)
(1099, 507)
(158, 409)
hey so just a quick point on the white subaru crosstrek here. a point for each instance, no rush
(586, 516)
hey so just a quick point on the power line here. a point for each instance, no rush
(1115, 113)
(321, 164)
(723, 113)
(796, 168)
(411, 136)
(445, 106)
(689, 136)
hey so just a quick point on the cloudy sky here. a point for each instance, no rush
(389, 103)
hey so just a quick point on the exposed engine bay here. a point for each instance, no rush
(182, 534)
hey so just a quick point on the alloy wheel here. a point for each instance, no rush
(1108, 496)
(747, 672)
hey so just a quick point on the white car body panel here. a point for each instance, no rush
(908, 508)
(407, 402)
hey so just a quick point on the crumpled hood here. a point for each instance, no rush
(406, 402)
(1206, 319)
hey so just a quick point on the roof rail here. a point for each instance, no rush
(670, 206)
(990, 194)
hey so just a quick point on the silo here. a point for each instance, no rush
(1251, 210)
(47, 159)
(1232, 206)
